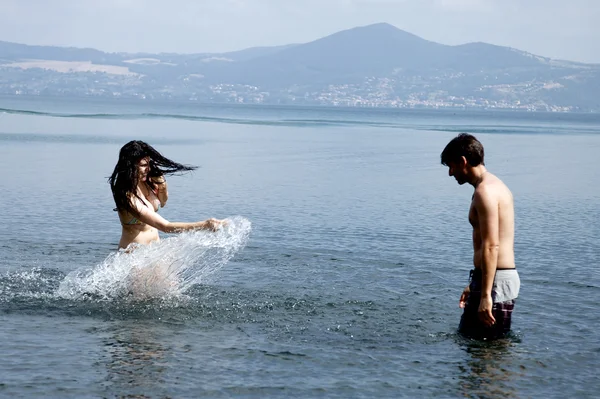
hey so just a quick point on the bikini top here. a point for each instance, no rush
(155, 204)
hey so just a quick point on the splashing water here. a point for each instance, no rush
(162, 269)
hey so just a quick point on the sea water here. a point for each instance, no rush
(339, 277)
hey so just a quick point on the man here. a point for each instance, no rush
(489, 299)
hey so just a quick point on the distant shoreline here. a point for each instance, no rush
(291, 106)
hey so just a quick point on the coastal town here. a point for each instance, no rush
(372, 92)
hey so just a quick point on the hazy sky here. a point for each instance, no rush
(553, 28)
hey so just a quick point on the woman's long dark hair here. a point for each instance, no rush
(124, 179)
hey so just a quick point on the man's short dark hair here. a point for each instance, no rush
(463, 145)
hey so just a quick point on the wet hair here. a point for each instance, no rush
(463, 145)
(124, 179)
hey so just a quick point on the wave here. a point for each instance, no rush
(214, 119)
(394, 120)
(521, 129)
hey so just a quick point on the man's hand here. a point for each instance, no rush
(485, 311)
(463, 298)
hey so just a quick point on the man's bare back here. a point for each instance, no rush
(492, 194)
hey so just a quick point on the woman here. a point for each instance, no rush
(139, 188)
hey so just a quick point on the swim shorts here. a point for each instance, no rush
(504, 293)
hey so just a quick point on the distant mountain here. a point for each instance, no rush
(255, 52)
(15, 52)
(375, 50)
(375, 65)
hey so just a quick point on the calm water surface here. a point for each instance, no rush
(348, 286)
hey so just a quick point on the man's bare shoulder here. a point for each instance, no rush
(491, 188)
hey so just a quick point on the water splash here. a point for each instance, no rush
(162, 269)
(34, 283)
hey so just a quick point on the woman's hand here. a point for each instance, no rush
(214, 224)
(160, 182)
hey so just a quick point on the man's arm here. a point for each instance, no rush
(486, 205)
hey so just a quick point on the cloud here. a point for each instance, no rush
(464, 5)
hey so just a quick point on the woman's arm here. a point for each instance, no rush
(151, 218)
(161, 189)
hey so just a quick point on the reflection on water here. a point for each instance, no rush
(136, 361)
(489, 371)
